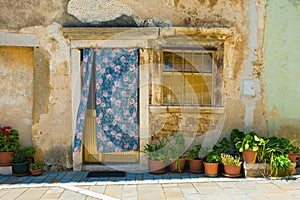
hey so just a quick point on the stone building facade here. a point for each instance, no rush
(41, 44)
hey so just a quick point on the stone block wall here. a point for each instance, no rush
(166, 121)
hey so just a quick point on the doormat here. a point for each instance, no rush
(106, 174)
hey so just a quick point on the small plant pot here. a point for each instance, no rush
(232, 169)
(196, 166)
(175, 168)
(36, 172)
(157, 166)
(211, 169)
(292, 157)
(249, 156)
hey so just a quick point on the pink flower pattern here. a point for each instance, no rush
(116, 99)
(117, 94)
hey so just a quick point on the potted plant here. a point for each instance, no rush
(211, 164)
(156, 156)
(21, 161)
(293, 151)
(280, 165)
(277, 150)
(195, 163)
(9, 143)
(232, 165)
(176, 152)
(35, 169)
(248, 146)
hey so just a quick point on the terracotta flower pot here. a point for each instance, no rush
(292, 157)
(157, 166)
(232, 169)
(196, 166)
(249, 156)
(6, 158)
(173, 165)
(211, 169)
(36, 172)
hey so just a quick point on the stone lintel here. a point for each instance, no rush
(110, 33)
(145, 33)
(18, 39)
(134, 43)
(199, 32)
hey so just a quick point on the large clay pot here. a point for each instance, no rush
(196, 166)
(249, 156)
(232, 169)
(6, 158)
(157, 166)
(211, 169)
(173, 165)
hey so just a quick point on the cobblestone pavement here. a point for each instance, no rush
(76, 186)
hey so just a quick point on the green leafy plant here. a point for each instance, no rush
(223, 146)
(263, 150)
(204, 151)
(155, 150)
(9, 139)
(213, 157)
(193, 153)
(35, 166)
(19, 157)
(293, 148)
(24, 155)
(236, 136)
(176, 148)
(227, 159)
(251, 141)
(278, 163)
(276, 146)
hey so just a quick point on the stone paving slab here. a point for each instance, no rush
(144, 186)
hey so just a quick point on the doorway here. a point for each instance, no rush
(110, 134)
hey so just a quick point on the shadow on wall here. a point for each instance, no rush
(122, 21)
(59, 158)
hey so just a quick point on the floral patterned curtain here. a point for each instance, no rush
(116, 100)
(87, 65)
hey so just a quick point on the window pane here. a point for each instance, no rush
(168, 61)
(200, 90)
(188, 60)
(203, 62)
(189, 80)
(178, 61)
(172, 89)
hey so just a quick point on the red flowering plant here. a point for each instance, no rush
(9, 139)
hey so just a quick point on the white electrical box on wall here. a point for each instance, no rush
(248, 88)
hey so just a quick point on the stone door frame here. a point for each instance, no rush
(147, 39)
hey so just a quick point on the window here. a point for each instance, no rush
(188, 77)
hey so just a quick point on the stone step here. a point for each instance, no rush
(6, 170)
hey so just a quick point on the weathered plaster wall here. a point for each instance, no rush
(16, 15)
(51, 128)
(16, 76)
(282, 68)
(52, 113)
